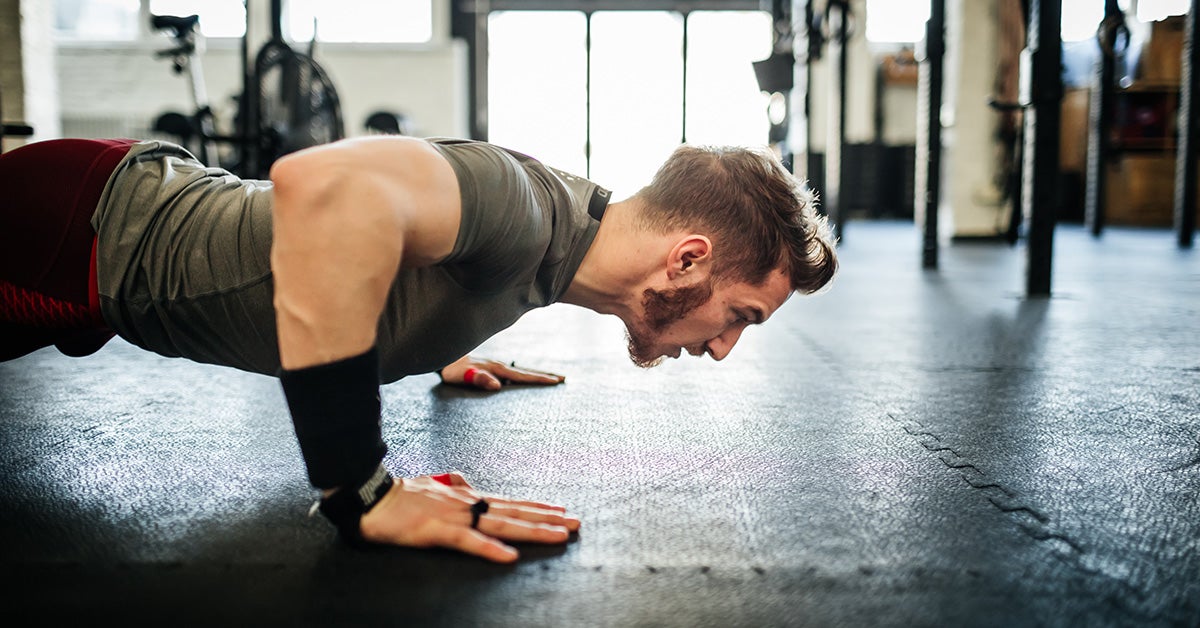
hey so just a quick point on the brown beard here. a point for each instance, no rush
(660, 309)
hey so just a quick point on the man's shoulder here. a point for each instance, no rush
(478, 154)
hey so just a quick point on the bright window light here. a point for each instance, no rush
(105, 20)
(539, 104)
(1080, 19)
(636, 95)
(218, 18)
(899, 21)
(542, 113)
(360, 21)
(724, 104)
(1155, 10)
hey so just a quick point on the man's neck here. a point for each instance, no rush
(617, 265)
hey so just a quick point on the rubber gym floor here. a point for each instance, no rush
(910, 448)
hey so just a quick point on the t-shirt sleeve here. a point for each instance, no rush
(505, 225)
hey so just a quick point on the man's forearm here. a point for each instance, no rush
(335, 409)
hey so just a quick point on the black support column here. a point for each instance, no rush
(811, 48)
(468, 21)
(836, 14)
(1042, 121)
(1189, 139)
(929, 130)
(1113, 38)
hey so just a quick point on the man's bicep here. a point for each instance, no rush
(340, 230)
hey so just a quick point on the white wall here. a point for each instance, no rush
(127, 83)
(115, 88)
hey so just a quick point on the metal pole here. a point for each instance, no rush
(587, 115)
(277, 20)
(244, 104)
(812, 52)
(683, 101)
(1189, 142)
(479, 58)
(465, 25)
(836, 125)
(1042, 122)
(1100, 113)
(929, 122)
(251, 136)
(209, 153)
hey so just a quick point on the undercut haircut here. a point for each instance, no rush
(759, 216)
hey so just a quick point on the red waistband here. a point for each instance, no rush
(93, 287)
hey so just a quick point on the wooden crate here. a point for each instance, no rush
(1162, 55)
(1140, 190)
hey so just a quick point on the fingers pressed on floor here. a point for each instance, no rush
(502, 502)
(528, 376)
(511, 529)
(536, 515)
(486, 381)
(474, 542)
(457, 479)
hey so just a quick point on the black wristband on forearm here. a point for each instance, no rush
(336, 412)
(346, 506)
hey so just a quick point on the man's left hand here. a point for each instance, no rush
(492, 375)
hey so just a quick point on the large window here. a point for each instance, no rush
(359, 21)
(108, 20)
(896, 21)
(537, 70)
(614, 110)
(636, 95)
(1081, 18)
(904, 20)
(1154, 10)
(724, 104)
(218, 18)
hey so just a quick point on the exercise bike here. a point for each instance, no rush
(287, 102)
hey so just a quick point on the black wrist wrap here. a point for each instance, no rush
(336, 412)
(346, 506)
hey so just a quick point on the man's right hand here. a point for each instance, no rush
(492, 375)
(424, 512)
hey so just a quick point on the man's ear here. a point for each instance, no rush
(691, 256)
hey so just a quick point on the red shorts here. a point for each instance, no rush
(48, 193)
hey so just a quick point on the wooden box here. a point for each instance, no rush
(1140, 190)
(1162, 55)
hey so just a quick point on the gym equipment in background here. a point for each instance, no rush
(288, 101)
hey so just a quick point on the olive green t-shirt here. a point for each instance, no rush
(183, 259)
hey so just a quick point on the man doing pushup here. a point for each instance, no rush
(367, 260)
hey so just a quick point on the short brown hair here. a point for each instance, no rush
(759, 215)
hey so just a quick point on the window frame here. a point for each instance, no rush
(147, 39)
(472, 26)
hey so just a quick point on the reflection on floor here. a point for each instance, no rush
(909, 448)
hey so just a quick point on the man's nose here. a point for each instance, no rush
(720, 346)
